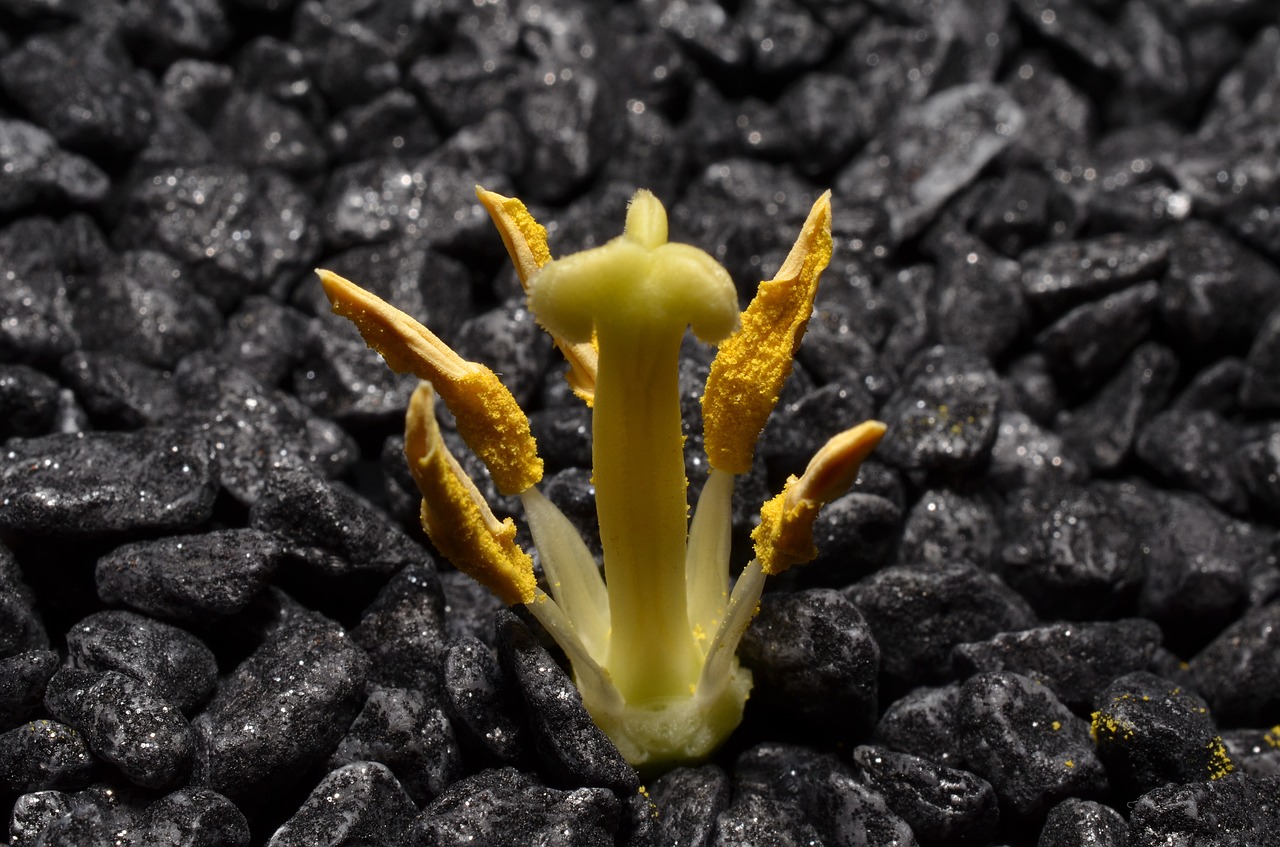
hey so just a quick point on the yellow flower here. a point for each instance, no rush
(652, 642)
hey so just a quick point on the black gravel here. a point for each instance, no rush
(1048, 613)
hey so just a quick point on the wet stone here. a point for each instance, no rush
(821, 791)
(980, 303)
(855, 536)
(1058, 276)
(1080, 346)
(145, 307)
(918, 613)
(1255, 752)
(470, 608)
(506, 808)
(193, 817)
(1152, 732)
(1238, 673)
(61, 821)
(21, 628)
(44, 755)
(1025, 455)
(1260, 469)
(754, 819)
(1075, 823)
(1060, 119)
(28, 402)
(474, 697)
(814, 662)
(266, 339)
(1232, 810)
(40, 329)
(33, 813)
(563, 434)
(945, 526)
(572, 748)
(1073, 660)
(932, 151)
(942, 805)
(1075, 27)
(1072, 550)
(460, 91)
(333, 528)
(943, 418)
(192, 577)
(571, 130)
(406, 731)
(688, 801)
(390, 124)
(153, 480)
(23, 677)
(282, 710)
(1217, 294)
(174, 664)
(1103, 429)
(1204, 557)
(351, 63)
(1024, 209)
(923, 722)
(124, 723)
(509, 341)
(821, 109)
(118, 391)
(1260, 388)
(359, 803)
(1196, 450)
(177, 29)
(236, 230)
(345, 381)
(403, 629)
(1019, 737)
(78, 84)
(263, 133)
(257, 431)
(35, 171)
(269, 66)
(798, 429)
(196, 88)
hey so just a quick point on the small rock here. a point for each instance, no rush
(1260, 388)
(923, 723)
(193, 817)
(1081, 345)
(944, 416)
(1239, 671)
(405, 730)
(755, 819)
(1061, 275)
(44, 755)
(174, 664)
(980, 303)
(1233, 810)
(573, 749)
(506, 808)
(194, 576)
(1151, 732)
(124, 723)
(35, 171)
(932, 150)
(296, 694)
(1091, 570)
(98, 483)
(23, 677)
(1025, 455)
(21, 629)
(688, 801)
(1019, 737)
(815, 662)
(359, 803)
(335, 529)
(119, 392)
(1255, 752)
(474, 692)
(919, 613)
(403, 629)
(261, 132)
(1196, 450)
(946, 526)
(1073, 660)
(942, 805)
(1076, 823)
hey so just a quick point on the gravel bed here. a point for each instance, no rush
(1047, 614)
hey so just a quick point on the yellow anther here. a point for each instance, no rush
(749, 369)
(456, 517)
(526, 242)
(488, 417)
(785, 534)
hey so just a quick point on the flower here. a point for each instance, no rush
(652, 642)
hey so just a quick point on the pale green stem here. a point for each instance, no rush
(638, 471)
(571, 571)
(707, 559)
(592, 679)
(742, 608)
